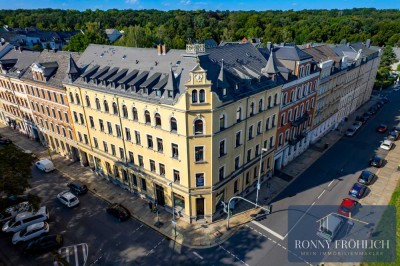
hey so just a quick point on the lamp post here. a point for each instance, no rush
(173, 209)
(259, 175)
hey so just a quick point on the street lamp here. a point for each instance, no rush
(173, 208)
(259, 175)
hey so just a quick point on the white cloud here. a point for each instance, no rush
(132, 2)
(185, 2)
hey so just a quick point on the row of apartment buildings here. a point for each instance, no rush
(185, 128)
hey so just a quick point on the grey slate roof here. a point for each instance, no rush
(290, 53)
(72, 68)
(24, 61)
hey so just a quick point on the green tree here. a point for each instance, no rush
(15, 170)
(79, 42)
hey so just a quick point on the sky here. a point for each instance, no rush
(201, 4)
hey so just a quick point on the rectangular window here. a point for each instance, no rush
(62, 98)
(238, 138)
(235, 186)
(118, 129)
(128, 134)
(109, 126)
(267, 124)
(86, 139)
(55, 97)
(59, 115)
(175, 153)
(237, 162)
(152, 166)
(199, 179)
(54, 113)
(149, 142)
(66, 117)
(247, 178)
(160, 146)
(222, 148)
(91, 121)
(249, 155)
(105, 146)
(271, 142)
(140, 158)
(101, 125)
(121, 153)
(79, 135)
(257, 150)
(137, 136)
(131, 157)
(259, 128)
(82, 120)
(162, 169)
(134, 179)
(255, 173)
(251, 132)
(143, 183)
(177, 177)
(75, 116)
(96, 144)
(221, 173)
(113, 149)
(199, 153)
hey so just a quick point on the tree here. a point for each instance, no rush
(79, 42)
(15, 170)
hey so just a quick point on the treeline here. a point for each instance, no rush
(144, 28)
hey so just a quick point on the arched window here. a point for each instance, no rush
(78, 100)
(87, 101)
(202, 96)
(106, 109)
(222, 122)
(292, 95)
(115, 108)
(296, 113)
(282, 119)
(98, 104)
(276, 99)
(147, 118)
(269, 101)
(307, 106)
(124, 111)
(194, 96)
(157, 117)
(239, 114)
(298, 93)
(71, 97)
(174, 126)
(134, 114)
(312, 103)
(198, 127)
(304, 90)
(301, 109)
(260, 105)
(252, 108)
(284, 98)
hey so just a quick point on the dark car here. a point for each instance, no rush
(382, 128)
(366, 116)
(396, 128)
(371, 111)
(118, 211)
(376, 161)
(347, 206)
(393, 135)
(378, 105)
(361, 119)
(4, 140)
(366, 177)
(384, 100)
(44, 244)
(78, 188)
(357, 190)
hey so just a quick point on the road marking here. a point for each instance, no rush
(268, 230)
(299, 219)
(159, 243)
(197, 255)
(76, 256)
(233, 255)
(321, 193)
(332, 181)
(75, 252)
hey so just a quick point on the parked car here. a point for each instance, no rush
(350, 131)
(382, 128)
(330, 227)
(371, 111)
(378, 105)
(24, 219)
(4, 140)
(384, 100)
(45, 165)
(366, 116)
(393, 135)
(347, 206)
(12, 211)
(78, 188)
(44, 243)
(358, 190)
(68, 199)
(357, 124)
(386, 145)
(366, 177)
(30, 232)
(396, 128)
(118, 211)
(376, 161)
(361, 119)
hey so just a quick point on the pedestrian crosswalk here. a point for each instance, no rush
(76, 255)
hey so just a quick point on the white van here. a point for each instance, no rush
(330, 227)
(45, 165)
(22, 220)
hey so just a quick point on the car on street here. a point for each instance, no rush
(347, 206)
(45, 165)
(393, 135)
(4, 140)
(118, 211)
(386, 145)
(68, 199)
(366, 116)
(357, 124)
(382, 128)
(378, 105)
(12, 211)
(24, 219)
(44, 244)
(30, 232)
(361, 119)
(366, 177)
(358, 190)
(396, 128)
(384, 100)
(371, 111)
(350, 131)
(376, 161)
(78, 188)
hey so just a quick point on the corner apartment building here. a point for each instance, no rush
(49, 103)
(297, 103)
(183, 126)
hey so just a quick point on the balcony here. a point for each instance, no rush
(300, 120)
(297, 138)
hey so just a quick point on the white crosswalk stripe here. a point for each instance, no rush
(76, 255)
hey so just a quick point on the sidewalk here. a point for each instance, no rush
(192, 235)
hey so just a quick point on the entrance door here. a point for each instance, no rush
(160, 195)
(200, 208)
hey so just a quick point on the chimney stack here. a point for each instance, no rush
(163, 49)
(269, 45)
(368, 43)
(308, 45)
(159, 49)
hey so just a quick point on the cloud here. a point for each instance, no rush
(132, 2)
(185, 2)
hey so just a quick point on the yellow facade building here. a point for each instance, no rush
(186, 126)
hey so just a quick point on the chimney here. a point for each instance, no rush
(308, 45)
(163, 49)
(269, 45)
(368, 43)
(158, 49)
